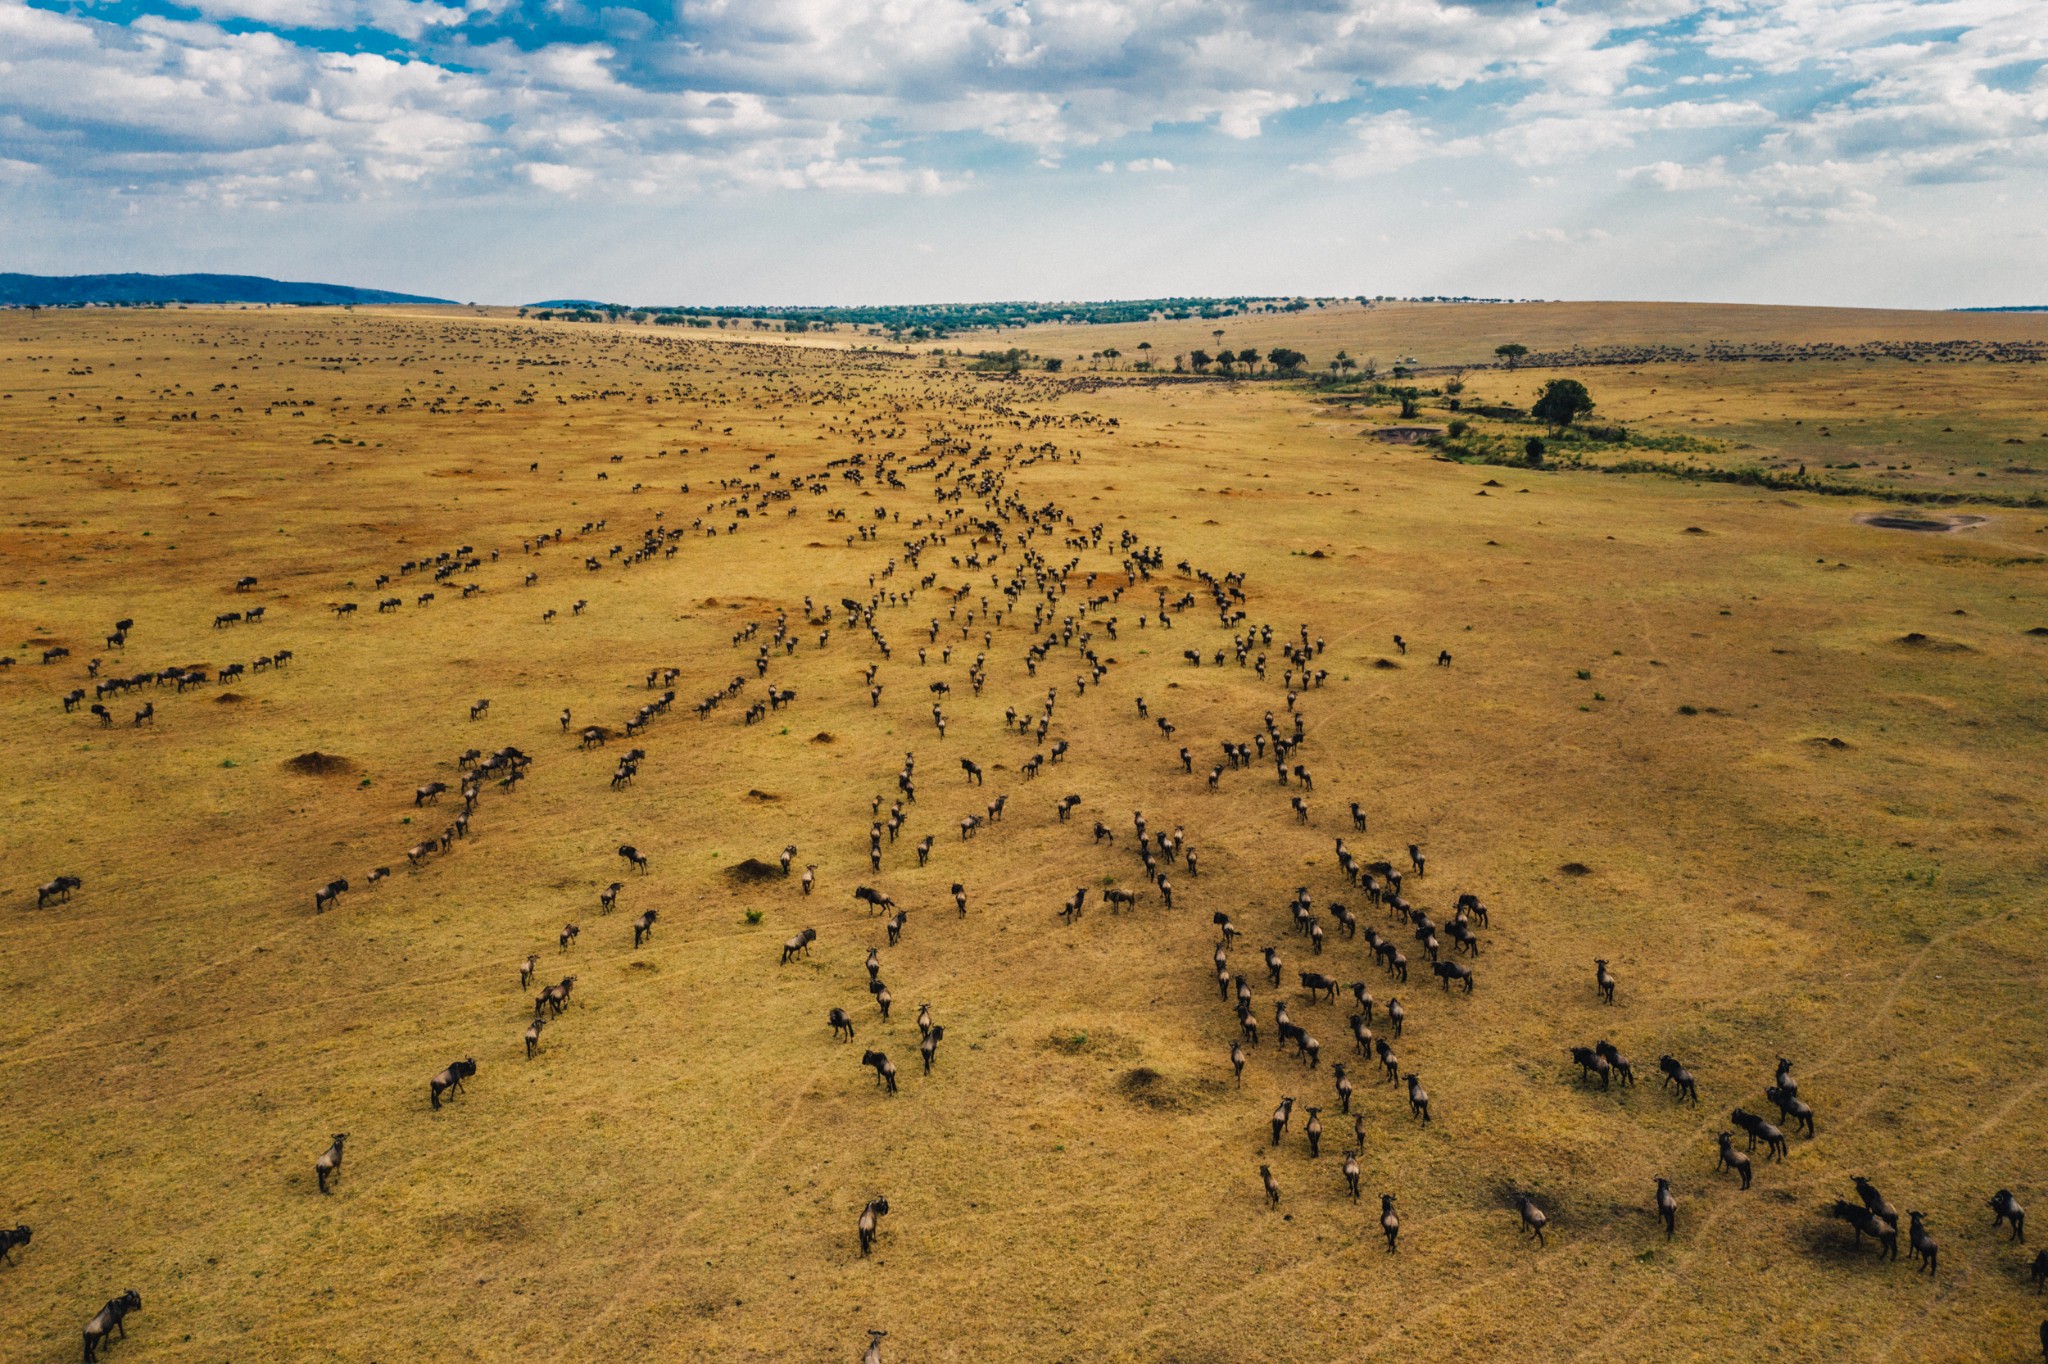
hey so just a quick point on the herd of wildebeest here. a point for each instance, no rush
(1019, 575)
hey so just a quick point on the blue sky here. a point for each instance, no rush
(1882, 152)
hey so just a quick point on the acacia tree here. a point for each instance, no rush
(1511, 352)
(1200, 360)
(1562, 402)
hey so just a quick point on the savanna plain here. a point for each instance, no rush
(1778, 767)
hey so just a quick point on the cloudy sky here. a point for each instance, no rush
(734, 151)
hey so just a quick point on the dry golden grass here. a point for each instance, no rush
(680, 1169)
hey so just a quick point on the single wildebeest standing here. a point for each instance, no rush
(1791, 1107)
(1603, 979)
(328, 893)
(1667, 1207)
(1351, 1173)
(108, 1320)
(329, 1162)
(1281, 1116)
(1733, 1159)
(526, 970)
(533, 1034)
(1920, 1243)
(643, 927)
(1272, 1186)
(1390, 1222)
(12, 1239)
(1875, 1201)
(450, 1080)
(1533, 1218)
(801, 943)
(840, 1022)
(885, 1069)
(874, 1210)
(1314, 1133)
(1418, 1099)
(1676, 1074)
(2006, 1208)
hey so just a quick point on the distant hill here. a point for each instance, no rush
(64, 291)
(2013, 308)
(569, 303)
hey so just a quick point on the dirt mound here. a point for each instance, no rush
(228, 698)
(1828, 742)
(2039, 630)
(318, 764)
(1146, 1086)
(762, 796)
(1920, 521)
(753, 871)
(1915, 640)
(1693, 530)
(1576, 869)
(824, 736)
(1385, 663)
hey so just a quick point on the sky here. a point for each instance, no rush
(1852, 152)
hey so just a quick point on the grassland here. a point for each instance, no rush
(1796, 757)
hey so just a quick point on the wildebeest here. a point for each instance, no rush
(1592, 1063)
(800, 944)
(12, 1239)
(841, 1023)
(1875, 1201)
(1533, 1218)
(1448, 971)
(526, 969)
(532, 1035)
(450, 1080)
(1418, 1098)
(108, 1320)
(1678, 1075)
(875, 900)
(2040, 1271)
(643, 927)
(885, 1069)
(1272, 1186)
(1603, 980)
(329, 893)
(2006, 1208)
(1281, 1116)
(1390, 1223)
(875, 1208)
(1792, 1107)
(569, 935)
(874, 1351)
(634, 856)
(1759, 1131)
(893, 925)
(58, 890)
(1731, 1158)
(329, 1162)
(1667, 1207)
(928, 1046)
(1317, 984)
(1920, 1243)
(1868, 1223)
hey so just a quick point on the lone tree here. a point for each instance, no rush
(1562, 402)
(1285, 360)
(1511, 352)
